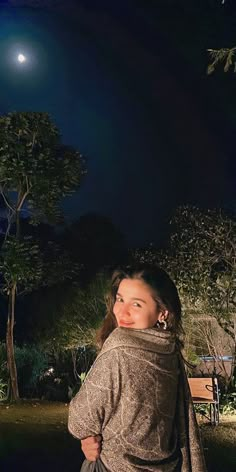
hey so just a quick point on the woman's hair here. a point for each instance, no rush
(165, 295)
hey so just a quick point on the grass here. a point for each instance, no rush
(34, 437)
(219, 445)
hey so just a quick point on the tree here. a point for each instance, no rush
(67, 319)
(148, 255)
(202, 260)
(208, 335)
(36, 172)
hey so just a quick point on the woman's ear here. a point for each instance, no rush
(163, 315)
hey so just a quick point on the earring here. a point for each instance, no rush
(162, 324)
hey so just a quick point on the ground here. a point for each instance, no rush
(219, 444)
(34, 435)
(34, 438)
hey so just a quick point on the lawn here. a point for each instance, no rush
(220, 445)
(34, 437)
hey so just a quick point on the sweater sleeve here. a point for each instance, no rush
(91, 408)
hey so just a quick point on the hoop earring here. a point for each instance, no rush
(164, 323)
(161, 325)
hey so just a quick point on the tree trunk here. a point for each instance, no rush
(14, 391)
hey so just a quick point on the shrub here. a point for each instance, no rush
(228, 404)
(31, 363)
(3, 389)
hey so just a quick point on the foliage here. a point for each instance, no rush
(24, 264)
(20, 264)
(82, 316)
(228, 404)
(82, 377)
(3, 361)
(202, 261)
(35, 166)
(148, 255)
(202, 409)
(223, 55)
(190, 355)
(207, 336)
(3, 372)
(31, 363)
(72, 320)
(36, 172)
(58, 265)
(65, 372)
(3, 389)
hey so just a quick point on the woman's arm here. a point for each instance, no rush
(93, 405)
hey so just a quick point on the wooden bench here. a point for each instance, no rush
(204, 390)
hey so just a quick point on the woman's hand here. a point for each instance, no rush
(91, 447)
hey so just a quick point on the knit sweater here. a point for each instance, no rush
(136, 396)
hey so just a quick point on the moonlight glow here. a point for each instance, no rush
(21, 58)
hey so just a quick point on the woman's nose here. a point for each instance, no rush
(125, 310)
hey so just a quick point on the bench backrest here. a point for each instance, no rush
(202, 388)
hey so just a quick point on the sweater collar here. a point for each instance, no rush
(151, 339)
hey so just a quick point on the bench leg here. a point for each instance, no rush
(214, 414)
(217, 413)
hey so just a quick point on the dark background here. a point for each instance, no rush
(126, 83)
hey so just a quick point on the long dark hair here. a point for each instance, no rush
(166, 297)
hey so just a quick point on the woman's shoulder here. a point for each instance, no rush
(146, 339)
(118, 337)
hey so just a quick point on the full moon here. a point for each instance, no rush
(21, 58)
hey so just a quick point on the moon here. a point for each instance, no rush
(21, 58)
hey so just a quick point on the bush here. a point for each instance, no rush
(31, 363)
(52, 375)
(62, 380)
(228, 404)
(70, 321)
(3, 372)
(3, 389)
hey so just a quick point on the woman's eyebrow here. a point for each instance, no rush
(139, 299)
(133, 298)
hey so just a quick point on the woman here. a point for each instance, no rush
(134, 412)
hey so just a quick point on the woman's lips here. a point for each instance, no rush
(125, 323)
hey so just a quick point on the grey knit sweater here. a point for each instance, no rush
(136, 396)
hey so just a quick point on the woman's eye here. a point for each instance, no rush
(137, 304)
(118, 299)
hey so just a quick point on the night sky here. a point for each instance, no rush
(126, 84)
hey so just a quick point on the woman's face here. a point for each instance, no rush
(135, 306)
